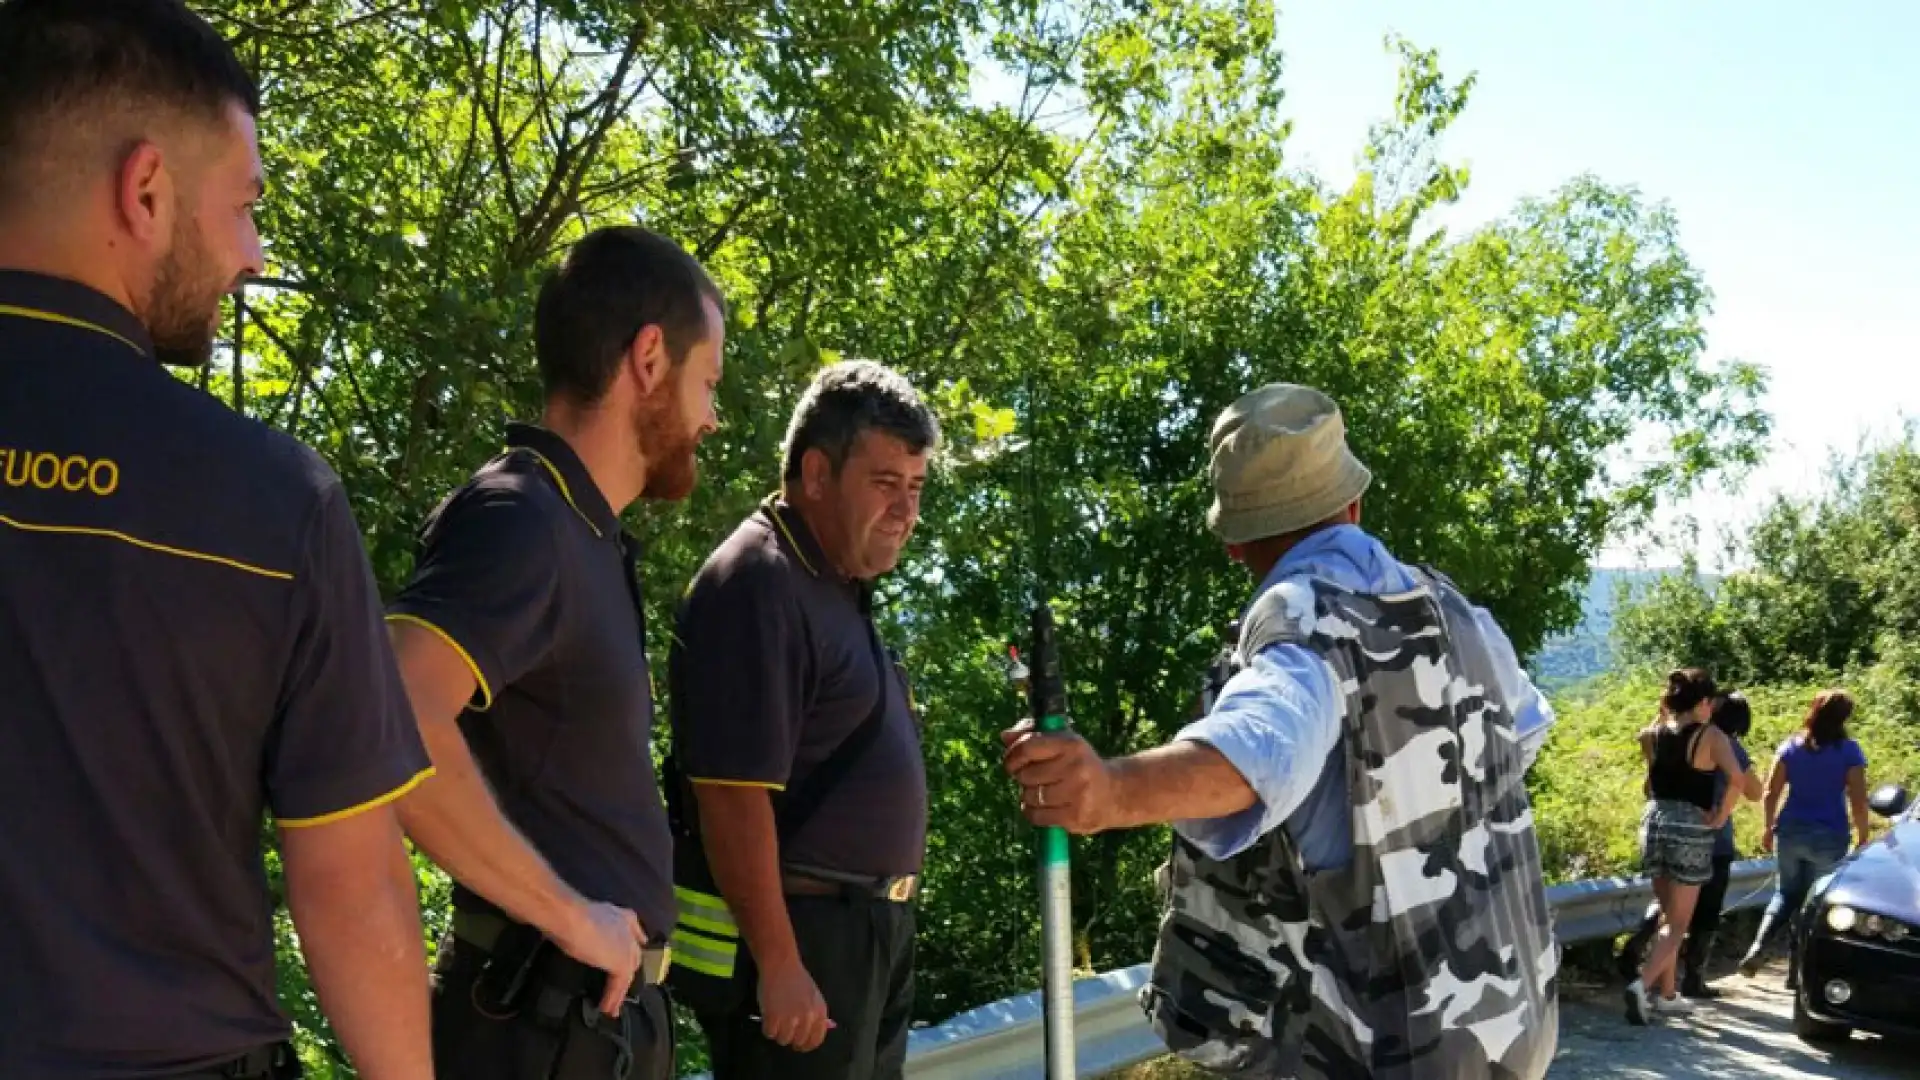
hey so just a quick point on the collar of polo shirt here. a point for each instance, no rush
(569, 474)
(27, 295)
(799, 539)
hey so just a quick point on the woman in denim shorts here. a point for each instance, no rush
(1684, 753)
(1733, 715)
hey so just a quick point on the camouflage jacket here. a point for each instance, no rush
(1431, 956)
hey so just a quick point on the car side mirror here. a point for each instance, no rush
(1888, 800)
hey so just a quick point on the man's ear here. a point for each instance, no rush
(144, 194)
(1353, 512)
(648, 359)
(816, 472)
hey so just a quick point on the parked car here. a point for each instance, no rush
(1857, 955)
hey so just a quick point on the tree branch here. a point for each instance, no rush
(748, 201)
(490, 109)
(572, 161)
(453, 204)
(369, 418)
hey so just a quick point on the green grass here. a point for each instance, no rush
(1166, 1068)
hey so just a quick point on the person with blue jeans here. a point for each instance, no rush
(1823, 773)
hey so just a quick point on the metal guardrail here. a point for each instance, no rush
(1004, 1040)
(1603, 907)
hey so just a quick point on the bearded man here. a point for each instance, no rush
(521, 637)
(190, 636)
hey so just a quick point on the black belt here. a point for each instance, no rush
(275, 1062)
(814, 881)
(483, 931)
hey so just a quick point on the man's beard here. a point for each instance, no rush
(672, 467)
(184, 307)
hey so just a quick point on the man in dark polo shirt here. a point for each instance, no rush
(190, 636)
(522, 640)
(795, 732)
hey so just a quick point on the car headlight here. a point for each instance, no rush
(1845, 920)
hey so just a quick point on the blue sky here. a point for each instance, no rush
(1782, 135)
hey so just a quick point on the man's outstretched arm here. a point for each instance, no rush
(1226, 779)
(351, 891)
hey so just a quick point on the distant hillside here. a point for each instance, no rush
(1588, 651)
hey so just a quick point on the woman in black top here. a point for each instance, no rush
(1683, 753)
(1734, 716)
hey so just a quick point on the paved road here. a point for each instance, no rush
(1747, 1033)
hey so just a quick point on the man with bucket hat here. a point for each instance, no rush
(1354, 887)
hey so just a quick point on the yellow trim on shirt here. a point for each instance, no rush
(378, 801)
(486, 692)
(736, 783)
(798, 552)
(67, 320)
(164, 549)
(565, 491)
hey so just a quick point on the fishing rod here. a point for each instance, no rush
(1047, 702)
(1047, 694)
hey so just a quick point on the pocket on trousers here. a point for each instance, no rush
(471, 1046)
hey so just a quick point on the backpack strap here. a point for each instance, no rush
(1283, 613)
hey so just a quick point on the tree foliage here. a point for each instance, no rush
(1829, 584)
(1074, 225)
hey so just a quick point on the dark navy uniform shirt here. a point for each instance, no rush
(190, 638)
(773, 666)
(527, 573)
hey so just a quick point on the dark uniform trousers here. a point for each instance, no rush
(564, 1038)
(276, 1062)
(859, 950)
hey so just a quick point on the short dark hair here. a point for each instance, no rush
(80, 57)
(1732, 714)
(616, 281)
(848, 399)
(1826, 721)
(1686, 689)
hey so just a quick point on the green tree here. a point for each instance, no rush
(1828, 583)
(1487, 380)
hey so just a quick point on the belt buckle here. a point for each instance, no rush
(655, 962)
(900, 889)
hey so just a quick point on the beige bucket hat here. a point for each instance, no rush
(1280, 463)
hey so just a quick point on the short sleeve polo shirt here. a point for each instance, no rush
(772, 667)
(190, 639)
(527, 573)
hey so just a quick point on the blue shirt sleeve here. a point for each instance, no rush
(1856, 755)
(1276, 722)
(1533, 715)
